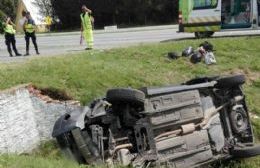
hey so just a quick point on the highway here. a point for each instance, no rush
(68, 43)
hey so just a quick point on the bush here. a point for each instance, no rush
(1, 22)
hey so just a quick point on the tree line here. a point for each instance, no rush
(124, 13)
(8, 7)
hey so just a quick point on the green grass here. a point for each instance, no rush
(34, 162)
(88, 75)
(47, 156)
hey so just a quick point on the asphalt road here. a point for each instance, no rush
(67, 43)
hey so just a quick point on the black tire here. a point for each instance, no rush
(239, 120)
(210, 34)
(198, 35)
(230, 81)
(69, 148)
(203, 34)
(246, 152)
(125, 95)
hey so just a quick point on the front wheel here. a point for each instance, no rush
(69, 148)
(206, 34)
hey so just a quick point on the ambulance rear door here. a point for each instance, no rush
(205, 16)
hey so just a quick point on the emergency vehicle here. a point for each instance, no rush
(204, 17)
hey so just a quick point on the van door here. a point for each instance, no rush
(205, 16)
(258, 12)
(236, 14)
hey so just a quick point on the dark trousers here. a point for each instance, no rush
(10, 40)
(27, 39)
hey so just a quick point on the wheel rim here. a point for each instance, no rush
(240, 121)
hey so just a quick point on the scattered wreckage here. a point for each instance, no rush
(190, 125)
(203, 52)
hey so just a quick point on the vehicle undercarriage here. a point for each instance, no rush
(190, 125)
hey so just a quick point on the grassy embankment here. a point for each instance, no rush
(89, 74)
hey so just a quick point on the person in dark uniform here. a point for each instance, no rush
(10, 37)
(29, 28)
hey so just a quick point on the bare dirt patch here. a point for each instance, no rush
(52, 95)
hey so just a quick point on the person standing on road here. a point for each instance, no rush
(29, 28)
(9, 31)
(86, 26)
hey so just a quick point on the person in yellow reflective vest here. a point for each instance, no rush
(10, 36)
(48, 20)
(29, 28)
(86, 26)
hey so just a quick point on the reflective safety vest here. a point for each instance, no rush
(48, 20)
(8, 28)
(29, 28)
(86, 21)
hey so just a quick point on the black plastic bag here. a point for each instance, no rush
(207, 46)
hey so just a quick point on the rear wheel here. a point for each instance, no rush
(210, 34)
(206, 34)
(124, 95)
(239, 119)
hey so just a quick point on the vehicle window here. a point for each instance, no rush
(236, 12)
(205, 4)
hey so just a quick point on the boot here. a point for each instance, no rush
(36, 48)
(27, 53)
(10, 53)
(16, 52)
